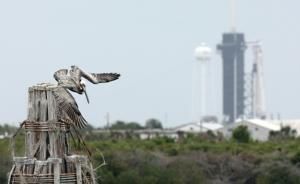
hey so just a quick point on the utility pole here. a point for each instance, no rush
(107, 117)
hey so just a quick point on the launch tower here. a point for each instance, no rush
(232, 49)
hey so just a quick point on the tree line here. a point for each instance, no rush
(149, 124)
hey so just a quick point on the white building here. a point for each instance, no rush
(293, 124)
(5, 135)
(260, 129)
(196, 127)
(153, 133)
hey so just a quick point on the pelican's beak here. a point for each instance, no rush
(83, 87)
(84, 90)
(86, 96)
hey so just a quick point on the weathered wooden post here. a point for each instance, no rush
(48, 158)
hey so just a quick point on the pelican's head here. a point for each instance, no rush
(82, 87)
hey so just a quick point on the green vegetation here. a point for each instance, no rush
(7, 129)
(205, 158)
(241, 134)
(153, 123)
(197, 160)
(122, 125)
(284, 133)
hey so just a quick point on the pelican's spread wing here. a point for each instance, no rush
(105, 77)
(68, 106)
(74, 114)
(96, 78)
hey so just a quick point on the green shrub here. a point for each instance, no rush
(278, 174)
(296, 158)
(172, 151)
(129, 177)
(241, 134)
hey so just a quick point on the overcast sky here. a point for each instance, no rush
(151, 43)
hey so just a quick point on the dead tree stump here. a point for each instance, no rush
(48, 158)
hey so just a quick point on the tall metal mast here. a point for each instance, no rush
(232, 16)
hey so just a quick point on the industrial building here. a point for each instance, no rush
(260, 129)
(198, 127)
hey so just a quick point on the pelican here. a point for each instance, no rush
(67, 109)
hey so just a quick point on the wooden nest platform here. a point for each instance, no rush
(48, 158)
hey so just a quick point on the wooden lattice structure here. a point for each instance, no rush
(48, 158)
